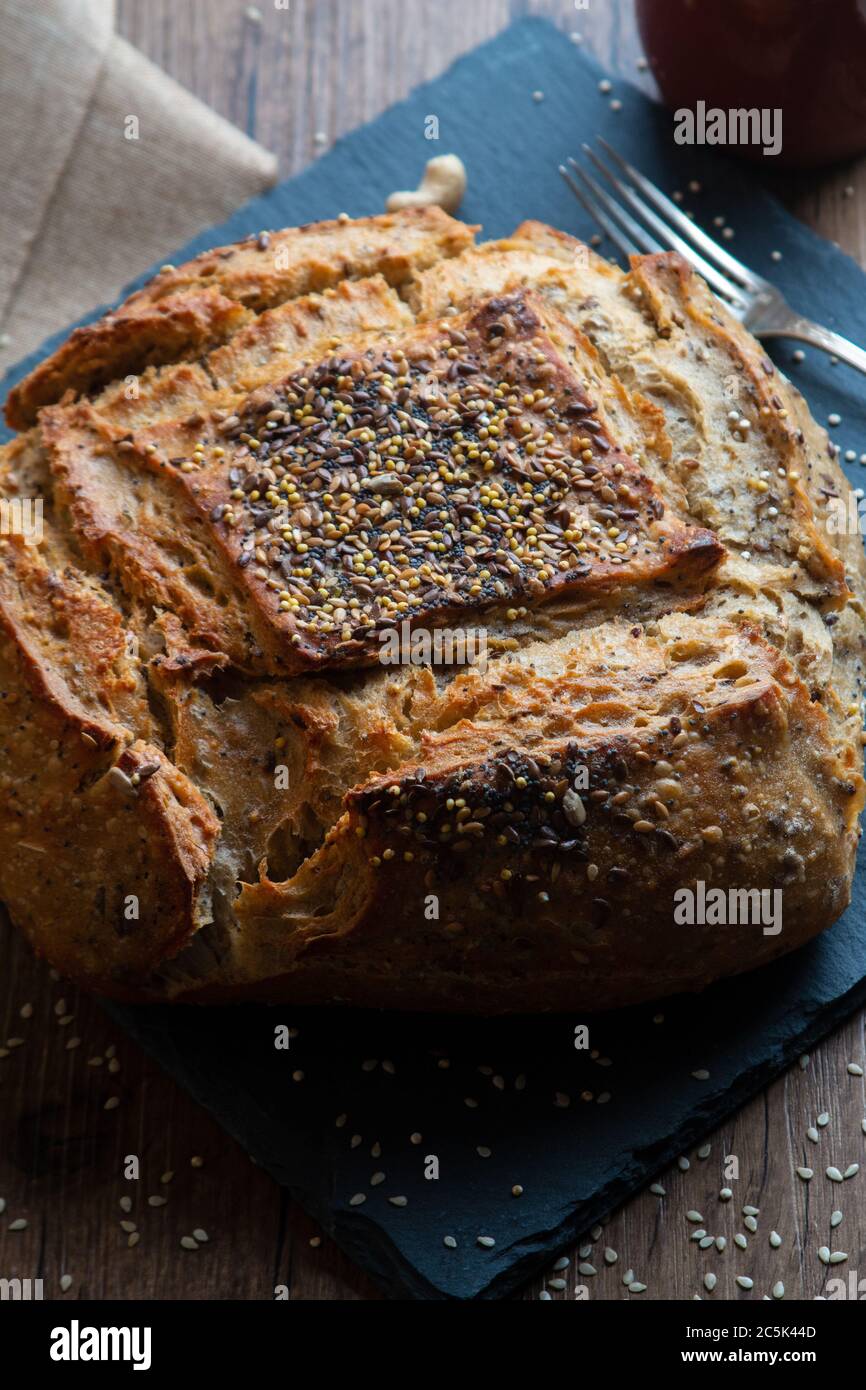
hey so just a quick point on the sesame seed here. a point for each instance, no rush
(710, 1282)
(450, 1242)
(775, 1239)
(835, 1219)
(65, 1283)
(740, 1241)
(745, 1282)
(18, 1225)
(586, 1269)
(854, 1069)
(779, 1289)
(805, 1173)
(834, 1175)
(517, 1190)
(486, 1241)
(188, 1243)
(852, 1170)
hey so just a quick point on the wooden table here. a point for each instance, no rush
(295, 80)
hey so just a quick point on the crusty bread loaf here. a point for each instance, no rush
(271, 461)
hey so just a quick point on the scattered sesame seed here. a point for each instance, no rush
(726, 1194)
(636, 1287)
(610, 1255)
(710, 1282)
(399, 1201)
(824, 1254)
(694, 1216)
(775, 255)
(157, 1201)
(517, 1190)
(745, 1282)
(721, 1244)
(683, 1164)
(800, 356)
(657, 1189)
(450, 1242)
(358, 1199)
(854, 1069)
(705, 1150)
(852, 1170)
(779, 1289)
(706, 1241)
(824, 1118)
(812, 1133)
(586, 1269)
(701, 1074)
(838, 1257)
(605, 86)
(65, 1283)
(834, 419)
(806, 1174)
(196, 1161)
(189, 1243)
(557, 1284)
(112, 1103)
(538, 96)
(740, 1241)
(834, 1175)
(750, 1224)
(835, 1220)
(487, 1241)
(18, 1225)
(775, 1239)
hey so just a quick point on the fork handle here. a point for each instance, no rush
(805, 331)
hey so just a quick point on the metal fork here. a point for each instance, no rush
(758, 305)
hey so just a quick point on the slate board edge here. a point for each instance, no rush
(368, 1246)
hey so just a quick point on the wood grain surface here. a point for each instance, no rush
(76, 1097)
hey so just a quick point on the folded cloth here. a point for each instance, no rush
(106, 164)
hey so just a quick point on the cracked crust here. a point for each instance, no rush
(268, 459)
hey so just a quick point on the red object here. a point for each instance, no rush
(805, 57)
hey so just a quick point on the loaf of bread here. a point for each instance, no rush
(288, 489)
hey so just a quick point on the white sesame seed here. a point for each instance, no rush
(112, 1103)
(18, 1225)
(751, 1211)
(636, 1287)
(838, 1257)
(487, 1241)
(824, 1118)
(557, 1284)
(616, 104)
(65, 1283)
(376, 1179)
(710, 1282)
(128, 1226)
(705, 1150)
(538, 96)
(694, 1216)
(358, 1199)
(200, 1235)
(133, 1240)
(706, 1242)
(545, 1296)
(683, 1164)
(824, 1254)
(834, 419)
(450, 1242)
(854, 1069)
(657, 1189)
(805, 1173)
(750, 1224)
(834, 1175)
(775, 1239)
(725, 1194)
(605, 86)
(701, 1074)
(775, 255)
(188, 1243)
(852, 1170)
(610, 1255)
(721, 1244)
(698, 1234)
(399, 1201)
(586, 1269)
(812, 1133)
(745, 1282)
(517, 1190)
(483, 1151)
(835, 1220)
(779, 1289)
(157, 1201)
(740, 1241)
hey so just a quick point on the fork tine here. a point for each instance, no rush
(597, 214)
(637, 233)
(739, 273)
(714, 277)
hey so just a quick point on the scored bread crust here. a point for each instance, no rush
(268, 460)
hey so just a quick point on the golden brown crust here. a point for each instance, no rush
(344, 427)
(186, 309)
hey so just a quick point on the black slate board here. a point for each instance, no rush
(575, 1161)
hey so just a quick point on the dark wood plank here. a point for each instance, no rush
(283, 77)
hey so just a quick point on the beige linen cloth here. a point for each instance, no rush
(83, 207)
